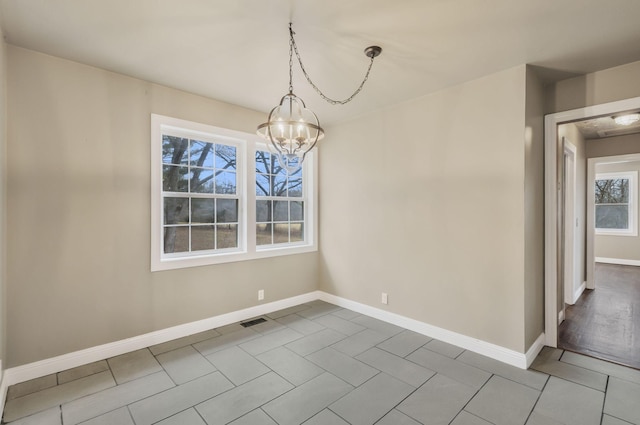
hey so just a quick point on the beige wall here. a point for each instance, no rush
(609, 85)
(620, 145)
(425, 201)
(618, 247)
(78, 243)
(533, 210)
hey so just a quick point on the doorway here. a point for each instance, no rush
(558, 280)
(604, 322)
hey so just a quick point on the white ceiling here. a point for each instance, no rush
(602, 127)
(237, 50)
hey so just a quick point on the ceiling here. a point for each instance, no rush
(602, 127)
(237, 50)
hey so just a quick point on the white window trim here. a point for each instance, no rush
(247, 144)
(632, 176)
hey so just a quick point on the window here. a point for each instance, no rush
(199, 194)
(279, 202)
(616, 203)
(203, 181)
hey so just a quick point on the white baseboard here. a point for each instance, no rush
(3, 389)
(619, 261)
(560, 316)
(534, 350)
(578, 293)
(78, 358)
(496, 352)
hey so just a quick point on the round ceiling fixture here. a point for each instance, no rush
(627, 119)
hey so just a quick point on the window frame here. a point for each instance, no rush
(632, 205)
(246, 146)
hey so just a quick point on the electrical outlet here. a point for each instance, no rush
(385, 298)
(261, 295)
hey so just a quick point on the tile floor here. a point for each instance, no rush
(318, 364)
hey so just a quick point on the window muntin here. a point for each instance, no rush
(200, 196)
(212, 202)
(615, 203)
(279, 202)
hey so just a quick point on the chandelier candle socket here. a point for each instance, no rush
(291, 129)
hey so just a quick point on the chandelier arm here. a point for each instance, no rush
(292, 44)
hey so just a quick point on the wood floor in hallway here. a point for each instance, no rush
(605, 322)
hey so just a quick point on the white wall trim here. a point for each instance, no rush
(45, 367)
(535, 349)
(496, 352)
(3, 389)
(575, 295)
(78, 358)
(620, 261)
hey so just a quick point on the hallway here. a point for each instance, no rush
(605, 322)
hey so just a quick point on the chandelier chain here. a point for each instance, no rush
(294, 47)
(290, 60)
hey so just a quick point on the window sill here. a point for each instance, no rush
(231, 257)
(615, 233)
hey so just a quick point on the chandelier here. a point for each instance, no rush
(292, 129)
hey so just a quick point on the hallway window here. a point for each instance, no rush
(615, 203)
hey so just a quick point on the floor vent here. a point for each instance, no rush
(253, 322)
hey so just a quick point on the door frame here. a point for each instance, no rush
(570, 249)
(552, 187)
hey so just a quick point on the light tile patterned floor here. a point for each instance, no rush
(318, 364)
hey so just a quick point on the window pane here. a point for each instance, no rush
(174, 150)
(263, 234)
(263, 162)
(297, 211)
(612, 191)
(262, 185)
(226, 182)
(227, 236)
(202, 210)
(263, 211)
(225, 157)
(280, 210)
(176, 210)
(279, 187)
(281, 233)
(202, 238)
(201, 154)
(295, 184)
(612, 217)
(227, 211)
(176, 239)
(297, 232)
(201, 180)
(174, 178)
